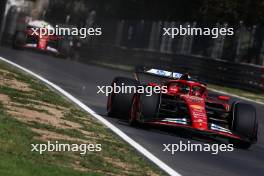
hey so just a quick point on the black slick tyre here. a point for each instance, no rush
(244, 124)
(119, 104)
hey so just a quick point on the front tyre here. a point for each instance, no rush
(244, 124)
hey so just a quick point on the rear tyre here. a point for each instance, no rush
(119, 104)
(19, 40)
(64, 48)
(244, 124)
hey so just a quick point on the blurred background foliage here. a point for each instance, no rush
(205, 11)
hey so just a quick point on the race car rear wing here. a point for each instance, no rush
(161, 73)
(165, 74)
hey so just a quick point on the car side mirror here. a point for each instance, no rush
(173, 89)
(224, 98)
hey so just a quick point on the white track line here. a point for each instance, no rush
(133, 143)
(236, 96)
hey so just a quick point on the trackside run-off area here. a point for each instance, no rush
(32, 113)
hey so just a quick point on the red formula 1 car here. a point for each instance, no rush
(30, 37)
(184, 104)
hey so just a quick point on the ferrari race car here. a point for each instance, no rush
(31, 37)
(184, 104)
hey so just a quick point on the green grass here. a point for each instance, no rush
(16, 157)
(16, 137)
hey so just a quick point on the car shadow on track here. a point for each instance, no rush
(174, 132)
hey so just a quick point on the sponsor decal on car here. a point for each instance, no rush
(197, 107)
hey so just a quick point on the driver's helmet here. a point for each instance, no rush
(185, 76)
(184, 89)
(197, 93)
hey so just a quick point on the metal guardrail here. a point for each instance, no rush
(245, 46)
(242, 76)
(157, 52)
(2, 15)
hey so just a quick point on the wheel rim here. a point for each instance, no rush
(109, 103)
(134, 114)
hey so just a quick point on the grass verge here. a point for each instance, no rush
(31, 113)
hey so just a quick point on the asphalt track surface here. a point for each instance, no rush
(81, 81)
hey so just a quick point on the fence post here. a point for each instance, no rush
(184, 40)
(3, 5)
(119, 32)
(239, 40)
(190, 42)
(169, 49)
(152, 36)
(261, 55)
(140, 34)
(218, 44)
(157, 35)
(221, 45)
(164, 39)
